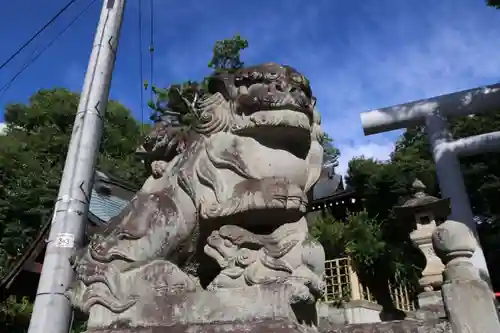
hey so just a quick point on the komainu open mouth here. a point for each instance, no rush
(278, 129)
(272, 103)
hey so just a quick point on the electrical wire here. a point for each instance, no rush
(6, 86)
(151, 43)
(141, 66)
(52, 20)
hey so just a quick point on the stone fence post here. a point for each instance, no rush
(468, 300)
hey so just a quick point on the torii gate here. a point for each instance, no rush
(432, 113)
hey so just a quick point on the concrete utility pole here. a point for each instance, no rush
(52, 310)
(433, 113)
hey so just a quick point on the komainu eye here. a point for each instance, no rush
(255, 75)
(297, 78)
(271, 76)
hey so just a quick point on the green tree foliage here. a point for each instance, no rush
(379, 246)
(358, 237)
(15, 314)
(178, 100)
(383, 185)
(493, 3)
(226, 54)
(481, 172)
(386, 184)
(78, 326)
(331, 153)
(32, 156)
(376, 258)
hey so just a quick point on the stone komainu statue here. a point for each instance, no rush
(227, 211)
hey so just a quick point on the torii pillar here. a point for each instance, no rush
(433, 114)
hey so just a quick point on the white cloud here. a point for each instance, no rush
(457, 52)
(357, 57)
(2, 128)
(390, 64)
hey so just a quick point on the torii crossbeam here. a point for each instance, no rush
(432, 113)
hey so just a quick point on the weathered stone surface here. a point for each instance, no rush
(362, 311)
(265, 326)
(279, 326)
(397, 326)
(248, 259)
(468, 300)
(470, 306)
(430, 298)
(423, 212)
(222, 212)
(260, 302)
(329, 315)
(351, 312)
(430, 305)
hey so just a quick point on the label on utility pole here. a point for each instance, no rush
(65, 240)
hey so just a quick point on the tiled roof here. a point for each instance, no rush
(106, 206)
(328, 184)
(109, 198)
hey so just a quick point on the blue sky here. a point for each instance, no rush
(358, 55)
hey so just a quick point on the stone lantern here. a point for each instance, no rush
(425, 212)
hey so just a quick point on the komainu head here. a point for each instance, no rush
(272, 96)
(265, 87)
(270, 103)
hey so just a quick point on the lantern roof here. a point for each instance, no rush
(421, 201)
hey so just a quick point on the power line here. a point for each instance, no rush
(6, 86)
(151, 42)
(141, 67)
(59, 13)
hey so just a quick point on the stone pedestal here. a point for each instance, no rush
(247, 327)
(430, 299)
(430, 305)
(251, 309)
(468, 300)
(352, 312)
(470, 306)
(362, 312)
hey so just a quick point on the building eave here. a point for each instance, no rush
(37, 246)
(33, 250)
